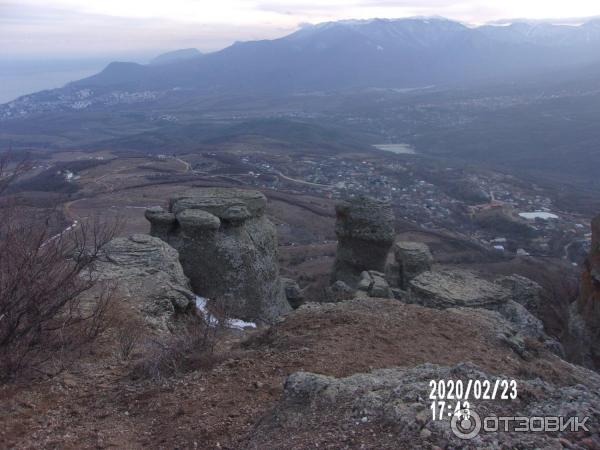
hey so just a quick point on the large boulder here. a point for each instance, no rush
(412, 258)
(452, 288)
(150, 279)
(365, 232)
(524, 291)
(375, 284)
(227, 247)
(293, 293)
(463, 289)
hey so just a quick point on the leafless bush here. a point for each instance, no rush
(43, 274)
(192, 347)
(128, 329)
(187, 350)
(11, 169)
(127, 341)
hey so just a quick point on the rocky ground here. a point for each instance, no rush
(173, 371)
(98, 404)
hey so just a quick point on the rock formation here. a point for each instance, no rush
(457, 288)
(150, 279)
(585, 320)
(365, 231)
(452, 288)
(394, 402)
(412, 258)
(589, 300)
(524, 291)
(227, 247)
(374, 284)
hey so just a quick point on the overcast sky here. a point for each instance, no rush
(74, 28)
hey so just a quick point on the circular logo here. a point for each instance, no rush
(465, 424)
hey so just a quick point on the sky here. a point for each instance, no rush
(137, 28)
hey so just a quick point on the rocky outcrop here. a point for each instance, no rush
(524, 291)
(150, 279)
(463, 289)
(395, 403)
(586, 315)
(453, 288)
(365, 232)
(227, 247)
(589, 300)
(412, 259)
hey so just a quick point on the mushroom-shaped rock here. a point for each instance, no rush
(365, 231)
(160, 220)
(196, 220)
(228, 249)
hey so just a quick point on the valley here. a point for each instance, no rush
(476, 215)
(283, 243)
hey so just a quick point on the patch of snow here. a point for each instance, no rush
(538, 215)
(69, 176)
(239, 324)
(59, 235)
(499, 248)
(236, 324)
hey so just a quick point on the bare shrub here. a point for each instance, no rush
(192, 347)
(43, 275)
(127, 341)
(129, 331)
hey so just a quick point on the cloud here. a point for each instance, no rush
(87, 27)
(54, 31)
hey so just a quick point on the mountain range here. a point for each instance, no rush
(521, 94)
(342, 55)
(350, 55)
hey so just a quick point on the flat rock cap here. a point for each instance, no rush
(228, 204)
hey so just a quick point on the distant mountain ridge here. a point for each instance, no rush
(339, 56)
(372, 53)
(176, 55)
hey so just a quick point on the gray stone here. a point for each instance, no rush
(413, 258)
(524, 291)
(396, 399)
(460, 288)
(228, 249)
(196, 220)
(339, 291)
(452, 288)
(379, 288)
(365, 231)
(366, 281)
(293, 293)
(399, 294)
(150, 279)
(161, 221)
